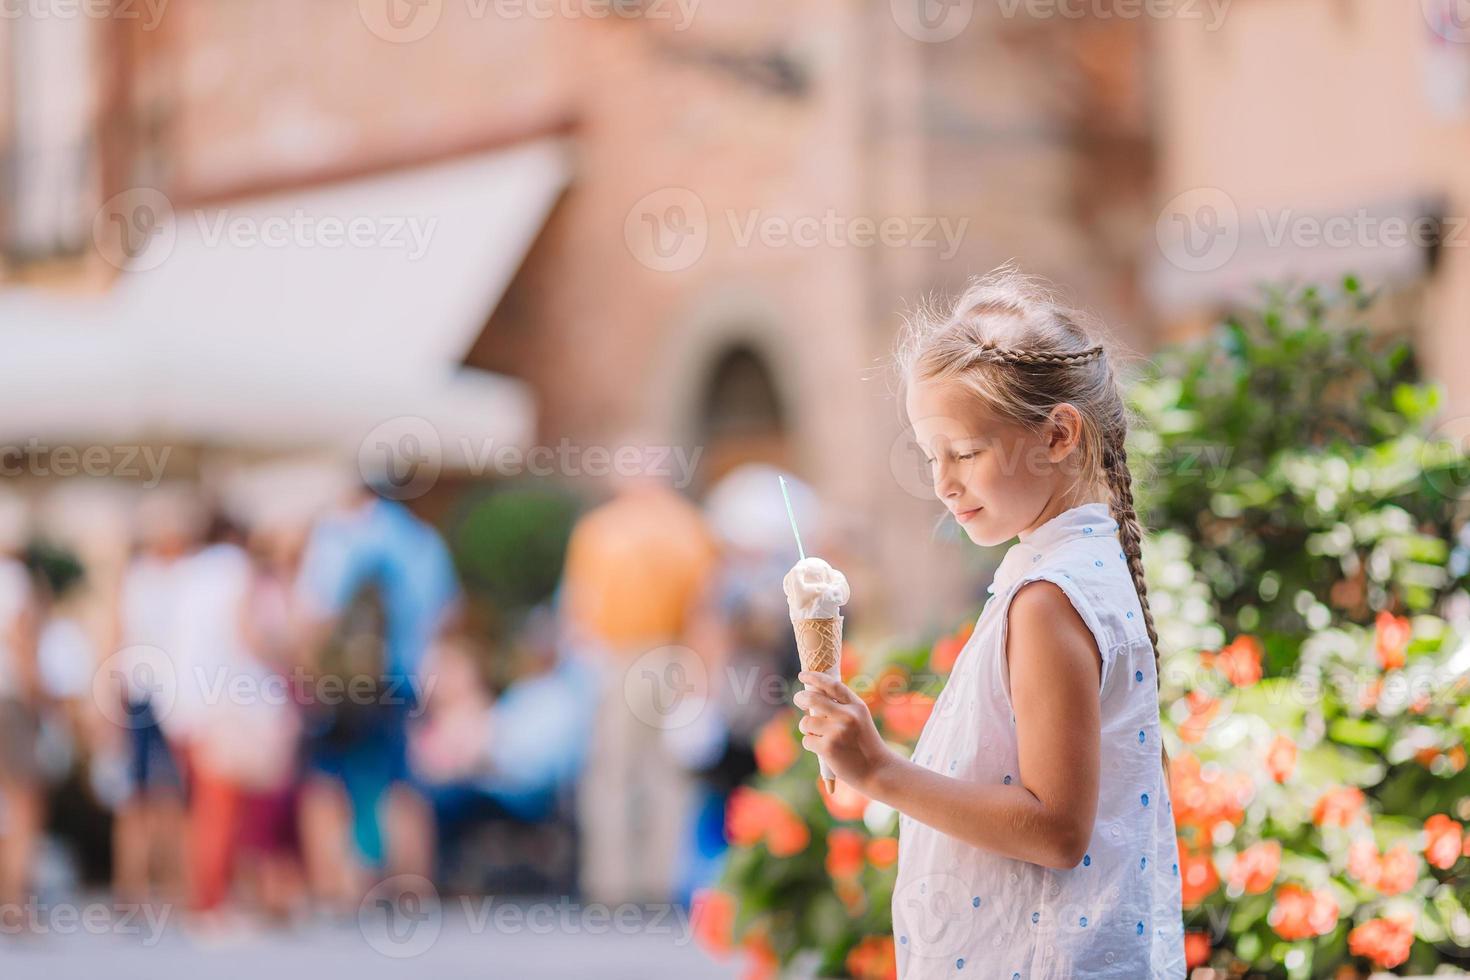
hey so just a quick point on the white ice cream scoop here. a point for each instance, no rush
(815, 590)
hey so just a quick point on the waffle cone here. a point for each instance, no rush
(819, 644)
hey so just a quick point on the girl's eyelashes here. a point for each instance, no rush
(958, 457)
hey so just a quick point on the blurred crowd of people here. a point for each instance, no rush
(277, 714)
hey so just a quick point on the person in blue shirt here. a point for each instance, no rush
(377, 586)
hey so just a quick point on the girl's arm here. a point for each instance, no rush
(1046, 815)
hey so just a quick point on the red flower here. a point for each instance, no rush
(947, 649)
(1239, 663)
(1281, 758)
(1398, 870)
(762, 962)
(1202, 711)
(775, 747)
(1443, 844)
(872, 959)
(1254, 869)
(844, 853)
(1362, 863)
(1384, 941)
(1301, 914)
(849, 662)
(1196, 948)
(1203, 800)
(1391, 639)
(752, 816)
(1198, 877)
(906, 714)
(1340, 807)
(712, 913)
(844, 803)
(883, 852)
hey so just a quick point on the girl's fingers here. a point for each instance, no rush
(812, 743)
(814, 725)
(836, 690)
(815, 703)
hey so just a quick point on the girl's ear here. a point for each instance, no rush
(1064, 431)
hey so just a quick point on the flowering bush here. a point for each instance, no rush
(1307, 576)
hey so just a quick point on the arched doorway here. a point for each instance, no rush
(742, 417)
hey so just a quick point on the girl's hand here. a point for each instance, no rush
(840, 729)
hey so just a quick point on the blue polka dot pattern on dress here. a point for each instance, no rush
(1007, 780)
(975, 902)
(1035, 916)
(1086, 860)
(1138, 675)
(1082, 922)
(1129, 614)
(959, 964)
(1140, 928)
(1141, 736)
(903, 940)
(1098, 563)
(1142, 863)
(1087, 530)
(1143, 797)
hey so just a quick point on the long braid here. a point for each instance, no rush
(1130, 534)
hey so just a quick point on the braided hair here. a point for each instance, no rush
(1012, 343)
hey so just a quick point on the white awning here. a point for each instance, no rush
(293, 320)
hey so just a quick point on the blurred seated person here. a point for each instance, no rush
(513, 757)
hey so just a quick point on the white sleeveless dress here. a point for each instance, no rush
(960, 911)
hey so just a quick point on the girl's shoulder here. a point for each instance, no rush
(1094, 575)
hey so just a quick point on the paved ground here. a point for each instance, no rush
(472, 940)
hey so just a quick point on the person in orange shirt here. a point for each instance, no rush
(636, 568)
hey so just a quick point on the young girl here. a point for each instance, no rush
(1037, 835)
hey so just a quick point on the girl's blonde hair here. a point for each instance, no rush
(1010, 342)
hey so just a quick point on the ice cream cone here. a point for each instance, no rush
(819, 644)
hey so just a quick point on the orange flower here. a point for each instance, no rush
(883, 852)
(1384, 941)
(1281, 758)
(890, 682)
(788, 834)
(1398, 870)
(712, 913)
(1255, 868)
(1202, 711)
(747, 815)
(872, 959)
(850, 663)
(1457, 758)
(844, 853)
(947, 650)
(1362, 863)
(1239, 663)
(775, 747)
(761, 960)
(905, 714)
(844, 803)
(1368, 696)
(1443, 843)
(1340, 807)
(1196, 948)
(1391, 639)
(752, 816)
(850, 893)
(1198, 877)
(1301, 914)
(1204, 800)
